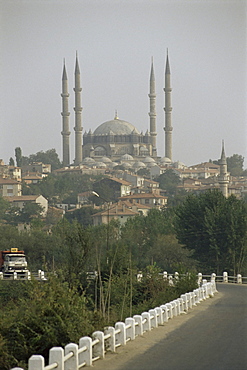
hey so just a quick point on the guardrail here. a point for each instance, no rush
(27, 275)
(225, 278)
(75, 356)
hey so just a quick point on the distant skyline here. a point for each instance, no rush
(115, 41)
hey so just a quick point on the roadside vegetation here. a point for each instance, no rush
(93, 270)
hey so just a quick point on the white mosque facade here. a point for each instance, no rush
(115, 138)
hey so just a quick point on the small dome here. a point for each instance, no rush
(112, 164)
(127, 157)
(115, 127)
(151, 164)
(165, 160)
(88, 160)
(126, 165)
(100, 165)
(148, 160)
(139, 164)
(105, 159)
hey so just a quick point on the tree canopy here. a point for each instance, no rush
(215, 229)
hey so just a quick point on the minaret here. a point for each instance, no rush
(152, 113)
(223, 177)
(65, 114)
(168, 111)
(78, 118)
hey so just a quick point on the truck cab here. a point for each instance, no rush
(13, 261)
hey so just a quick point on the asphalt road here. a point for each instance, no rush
(213, 336)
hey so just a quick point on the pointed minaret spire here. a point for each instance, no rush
(65, 120)
(168, 111)
(167, 63)
(152, 113)
(223, 176)
(78, 114)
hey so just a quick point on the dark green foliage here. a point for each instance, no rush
(61, 188)
(215, 229)
(82, 215)
(40, 316)
(18, 156)
(235, 165)
(29, 212)
(11, 161)
(144, 172)
(48, 157)
(169, 181)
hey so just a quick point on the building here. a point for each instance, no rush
(119, 188)
(149, 199)
(120, 211)
(10, 172)
(20, 201)
(10, 188)
(116, 137)
(38, 168)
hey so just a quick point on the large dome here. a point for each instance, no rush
(115, 127)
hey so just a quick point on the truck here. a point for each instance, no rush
(12, 261)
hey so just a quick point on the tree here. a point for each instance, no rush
(18, 156)
(4, 206)
(144, 172)
(82, 215)
(235, 165)
(215, 229)
(29, 212)
(169, 181)
(48, 157)
(11, 161)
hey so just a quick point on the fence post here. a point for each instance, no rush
(170, 280)
(56, 355)
(139, 276)
(225, 277)
(159, 315)
(239, 279)
(185, 302)
(165, 314)
(130, 332)
(174, 308)
(199, 279)
(72, 362)
(139, 327)
(1, 275)
(15, 275)
(146, 324)
(86, 356)
(28, 275)
(153, 318)
(165, 275)
(120, 337)
(110, 343)
(213, 276)
(99, 348)
(36, 362)
(169, 308)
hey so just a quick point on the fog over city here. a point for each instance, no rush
(115, 41)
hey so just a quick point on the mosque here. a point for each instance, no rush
(115, 139)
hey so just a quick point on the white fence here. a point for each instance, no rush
(225, 278)
(75, 356)
(40, 275)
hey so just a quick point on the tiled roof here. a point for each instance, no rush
(143, 196)
(8, 181)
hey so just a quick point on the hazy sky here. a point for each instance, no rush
(115, 41)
